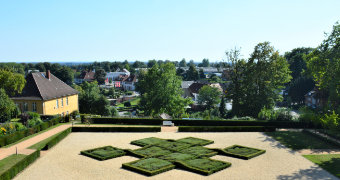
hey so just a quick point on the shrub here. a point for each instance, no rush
(195, 141)
(199, 151)
(33, 115)
(149, 166)
(331, 121)
(127, 104)
(57, 139)
(34, 122)
(203, 166)
(148, 141)
(116, 129)
(226, 129)
(149, 151)
(176, 156)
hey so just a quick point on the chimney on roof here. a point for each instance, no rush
(48, 74)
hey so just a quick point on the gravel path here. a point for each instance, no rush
(64, 161)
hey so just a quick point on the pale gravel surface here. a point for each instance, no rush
(64, 161)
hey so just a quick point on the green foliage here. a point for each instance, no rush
(127, 104)
(34, 122)
(192, 73)
(256, 83)
(116, 129)
(324, 65)
(173, 146)
(204, 166)
(182, 63)
(242, 152)
(177, 157)
(298, 88)
(225, 129)
(149, 166)
(103, 153)
(309, 116)
(11, 82)
(205, 63)
(49, 142)
(161, 91)
(331, 121)
(281, 114)
(209, 96)
(7, 106)
(20, 165)
(100, 76)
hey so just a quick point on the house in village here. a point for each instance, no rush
(87, 76)
(315, 99)
(196, 86)
(47, 95)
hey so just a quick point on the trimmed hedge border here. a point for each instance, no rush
(129, 166)
(245, 157)
(226, 129)
(89, 153)
(181, 122)
(116, 129)
(184, 165)
(14, 137)
(57, 139)
(21, 165)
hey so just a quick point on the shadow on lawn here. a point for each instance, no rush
(312, 173)
(275, 143)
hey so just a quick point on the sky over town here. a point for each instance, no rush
(108, 30)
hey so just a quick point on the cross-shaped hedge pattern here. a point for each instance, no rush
(160, 155)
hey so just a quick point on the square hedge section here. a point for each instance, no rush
(149, 166)
(204, 166)
(173, 145)
(148, 141)
(195, 141)
(177, 157)
(242, 152)
(199, 151)
(104, 153)
(149, 151)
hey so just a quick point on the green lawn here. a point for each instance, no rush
(9, 161)
(329, 162)
(134, 102)
(299, 140)
(42, 143)
(25, 138)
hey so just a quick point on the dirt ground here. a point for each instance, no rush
(65, 162)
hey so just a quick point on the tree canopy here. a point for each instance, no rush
(11, 82)
(209, 96)
(161, 91)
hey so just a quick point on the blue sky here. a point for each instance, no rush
(71, 30)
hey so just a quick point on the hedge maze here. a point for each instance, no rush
(161, 155)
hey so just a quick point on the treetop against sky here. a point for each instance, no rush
(151, 29)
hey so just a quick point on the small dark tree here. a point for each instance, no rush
(127, 104)
(222, 108)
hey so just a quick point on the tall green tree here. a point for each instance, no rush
(65, 74)
(151, 63)
(192, 73)
(324, 65)
(183, 63)
(209, 96)
(100, 76)
(11, 82)
(161, 91)
(222, 108)
(7, 106)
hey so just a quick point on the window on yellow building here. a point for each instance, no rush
(62, 102)
(66, 101)
(34, 107)
(25, 107)
(57, 103)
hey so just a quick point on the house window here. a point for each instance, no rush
(66, 101)
(34, 107)
(57, 104)
(25, 107)
(62, 102)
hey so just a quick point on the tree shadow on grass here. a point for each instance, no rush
(332, 166)
(274, 143)
(309, 174)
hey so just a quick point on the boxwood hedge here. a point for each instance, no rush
(225, 129)
(149, 166)
(242, 152)
(116, 129)
(103, 153)
(204, 166)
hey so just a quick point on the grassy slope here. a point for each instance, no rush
(299, 140)
(329, 162)
(133, 102)
(9, 161)
(42, 143)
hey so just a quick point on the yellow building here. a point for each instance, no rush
(47, 95)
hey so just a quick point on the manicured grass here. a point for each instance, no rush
(147, 141)
(104, 153)
(195, 141)
(134, 102)
(329, 162)
(177, 157)
(28, 137)
(173, 146)
(10, 161)
(299, 140)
